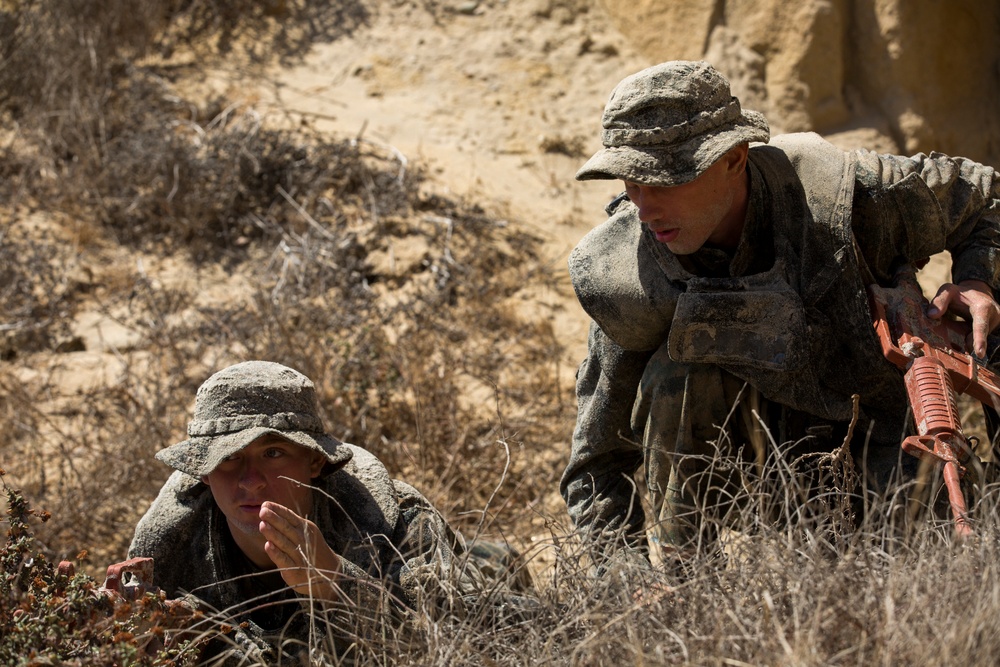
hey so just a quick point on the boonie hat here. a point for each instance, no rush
(243, 402)
(668, 123)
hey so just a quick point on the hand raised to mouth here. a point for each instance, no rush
(296, 546)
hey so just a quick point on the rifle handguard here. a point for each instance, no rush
(937, 368)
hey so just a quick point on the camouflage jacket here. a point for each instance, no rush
(787, 312)
(397, 551)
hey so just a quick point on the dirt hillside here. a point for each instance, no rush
(501, 101)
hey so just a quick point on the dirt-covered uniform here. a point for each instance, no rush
(257, 439)
(396, 551)
(675, 338)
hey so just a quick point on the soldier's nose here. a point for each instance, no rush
(251, 479)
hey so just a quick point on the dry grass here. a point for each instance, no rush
(301, 292)
(807, 593)
(324, 254)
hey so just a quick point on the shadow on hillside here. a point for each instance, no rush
(275, 29)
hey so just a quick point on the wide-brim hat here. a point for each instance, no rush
(244, 402)
(667, 124)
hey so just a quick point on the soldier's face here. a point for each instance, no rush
(270, 468)
(706, 210)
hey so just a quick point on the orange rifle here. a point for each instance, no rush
(937, 368)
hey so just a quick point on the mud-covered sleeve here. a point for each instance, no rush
(173, 532)
(909, 208)
(598, 484)
(422, 563)
(433, 564)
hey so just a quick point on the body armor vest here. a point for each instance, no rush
(800, 332)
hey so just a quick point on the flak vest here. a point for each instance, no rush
(800, 332)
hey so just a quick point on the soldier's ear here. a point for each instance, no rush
(316, 466)
(736, 158)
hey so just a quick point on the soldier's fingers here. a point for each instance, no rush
(290, 542)
(978, 340)
(299, 535)
(984, 319)
(282, 551)
(942, 300)
(293, 570)
(939, 304)
(284, 512)
(291, 524)
(277, 522)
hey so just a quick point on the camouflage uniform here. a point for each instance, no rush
(396, 550)
(678, 341)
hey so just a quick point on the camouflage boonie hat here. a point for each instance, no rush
(243, 402)
(668, 123)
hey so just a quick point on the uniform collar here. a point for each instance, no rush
(751, 254)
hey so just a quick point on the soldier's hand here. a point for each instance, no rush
(295, 544)
(653, 593)
(973, 300)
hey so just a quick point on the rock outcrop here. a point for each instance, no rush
(910, 76)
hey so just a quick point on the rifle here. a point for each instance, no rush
(937, 368)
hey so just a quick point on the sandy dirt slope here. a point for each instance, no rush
(500, 103)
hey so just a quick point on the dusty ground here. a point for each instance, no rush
(501, 103)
